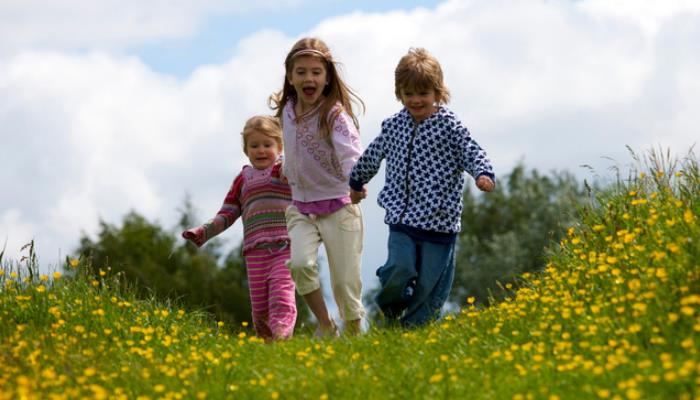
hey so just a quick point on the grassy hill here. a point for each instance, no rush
(616, 315)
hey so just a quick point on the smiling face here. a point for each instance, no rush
(419, 102)
(262, 150)
(308, 77)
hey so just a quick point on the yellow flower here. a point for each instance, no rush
(687, 310)
(688, 216)
(436, 378)
(56, 275)
(74, 263)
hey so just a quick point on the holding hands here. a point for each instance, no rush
(356, 196)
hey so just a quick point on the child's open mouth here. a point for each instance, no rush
(309, 91)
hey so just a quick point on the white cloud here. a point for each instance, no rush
(559, 84)
(15, 232)
(111, 24)
(649, 16)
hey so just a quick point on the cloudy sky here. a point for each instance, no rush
(110, 106)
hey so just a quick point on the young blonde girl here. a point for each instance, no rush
(260, 198)
(322, 143)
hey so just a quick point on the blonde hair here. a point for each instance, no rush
(265, 124)
(335, 92)
(419, 70)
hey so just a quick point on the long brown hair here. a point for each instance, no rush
(335, 92)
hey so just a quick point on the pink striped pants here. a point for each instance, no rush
(271, 292)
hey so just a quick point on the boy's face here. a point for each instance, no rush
(419, 102)
(262, 150)
(309, 77)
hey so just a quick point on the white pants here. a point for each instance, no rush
(341, 234)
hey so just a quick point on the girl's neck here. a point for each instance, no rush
(301, 108)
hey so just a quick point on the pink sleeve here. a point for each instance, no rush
(346, 142)
(227, 215)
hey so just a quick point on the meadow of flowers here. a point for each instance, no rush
(616, 315)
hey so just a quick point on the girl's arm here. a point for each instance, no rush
(368, 164)
(346, 142)
(227, 215)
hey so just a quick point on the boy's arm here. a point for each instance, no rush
(473, 159)
(227, 215)
(367, 165)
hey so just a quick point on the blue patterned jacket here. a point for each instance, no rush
(425, 165)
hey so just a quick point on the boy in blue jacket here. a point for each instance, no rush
(427, 150)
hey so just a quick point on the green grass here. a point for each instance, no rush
(616, 315)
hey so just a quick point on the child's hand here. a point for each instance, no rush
(485, 183)
(194, 235)
(283, 178)
(356, 196)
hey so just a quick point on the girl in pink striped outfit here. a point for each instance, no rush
(260, 198)
(321, 145)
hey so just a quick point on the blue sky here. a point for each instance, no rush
(214, 41)
(110, 106)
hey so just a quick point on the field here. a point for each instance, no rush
(615, 315)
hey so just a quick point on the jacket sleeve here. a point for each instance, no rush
(346, 142)
(471, 157)
(369, 162)
(229, 212)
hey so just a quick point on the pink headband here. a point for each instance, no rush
(308, 52)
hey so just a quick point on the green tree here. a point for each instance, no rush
(158, 264)
(506, 233)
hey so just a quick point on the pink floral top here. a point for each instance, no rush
(317, 169)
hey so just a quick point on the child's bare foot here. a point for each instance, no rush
(330, 330)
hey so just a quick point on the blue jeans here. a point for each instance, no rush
(416, 279)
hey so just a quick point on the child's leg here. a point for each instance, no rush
(342, 236)
(397, 275)
(436, 273)
(282, 308)
(256, 261)
(305, 241)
